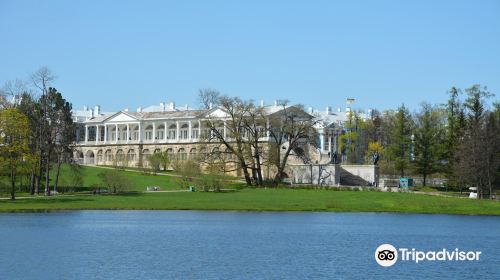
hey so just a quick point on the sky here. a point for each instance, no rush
(126, 54)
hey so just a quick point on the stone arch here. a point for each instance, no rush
(181, 154)
(79, 158)
(108, 155)
(120, 156)
(99, 156)
(131, 155)
(90, 157)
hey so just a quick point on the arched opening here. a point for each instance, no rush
(184, 131)
(89, 157)
(170, 153)
(148, 133)
(192, 153)
(182, 155)
(160, 132)
(195, 131)
(79, 157)
(120, 156)
(131, 155)
(135, 133)
(172, 130)
(108, 155)
(99, 156)
(145, 157)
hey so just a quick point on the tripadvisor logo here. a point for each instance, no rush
(386, 255)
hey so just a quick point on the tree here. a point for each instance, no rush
(115, 181)
(428, 141)
(14, 143)
(256, 128)
(232, 133)
(290, 129)
(455, 125)
(188, 171)
(400, 137)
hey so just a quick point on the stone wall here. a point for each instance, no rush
(359, 175)
(314, 174)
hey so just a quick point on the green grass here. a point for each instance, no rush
(244, 200)
(262, 200)
(138, 180)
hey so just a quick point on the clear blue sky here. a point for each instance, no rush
(122, 54)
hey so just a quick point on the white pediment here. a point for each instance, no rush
(121, 117)
(217, 113)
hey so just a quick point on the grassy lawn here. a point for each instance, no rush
(244, 199)
(263, 200)
(138, 181)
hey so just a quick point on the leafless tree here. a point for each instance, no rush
(291, 129)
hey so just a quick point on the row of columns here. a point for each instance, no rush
(177, 133)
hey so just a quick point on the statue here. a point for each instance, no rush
(376, 157)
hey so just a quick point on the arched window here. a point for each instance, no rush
(172, 130)
(120, 156)
(99, 156)
(131, 155)
(145, 156)
(89, 157)
(195, 131)
(108, 155)
(160, 132)
(182, 154)
(148, 133)
(135, 133)
(170, 152)
(192, 153)
(184, 131)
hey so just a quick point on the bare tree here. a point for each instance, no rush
(290, 129)
(232, 134)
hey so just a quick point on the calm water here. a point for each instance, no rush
(238, 245)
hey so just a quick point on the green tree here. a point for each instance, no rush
(14, 144)
(400, 147)
(428, 141)
(472, 164)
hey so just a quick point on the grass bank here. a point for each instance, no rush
(261, 200)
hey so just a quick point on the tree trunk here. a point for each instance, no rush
(248, 180)
(47, 177)
(32, 182)
(39, 176)
(425, 179)
(13, 184)
(56, 182)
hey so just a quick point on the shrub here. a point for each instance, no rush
(115, 181)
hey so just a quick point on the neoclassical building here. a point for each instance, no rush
(106, 137)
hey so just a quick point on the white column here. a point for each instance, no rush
(178, 130)
(268, 128)
(189, 131)
(97, 134)
(128, 132)
(224, 130)
(322, 141)
(199, 129)
(140, 133)
(105, 134)
(330, 143)
(86, 134)
(154, 132)
(116, 133)
(165, 132)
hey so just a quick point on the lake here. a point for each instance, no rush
(239, 245)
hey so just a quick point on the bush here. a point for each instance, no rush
(115, 181)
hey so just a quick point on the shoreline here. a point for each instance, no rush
(258, 200)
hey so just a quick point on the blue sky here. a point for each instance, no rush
(123, 54)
